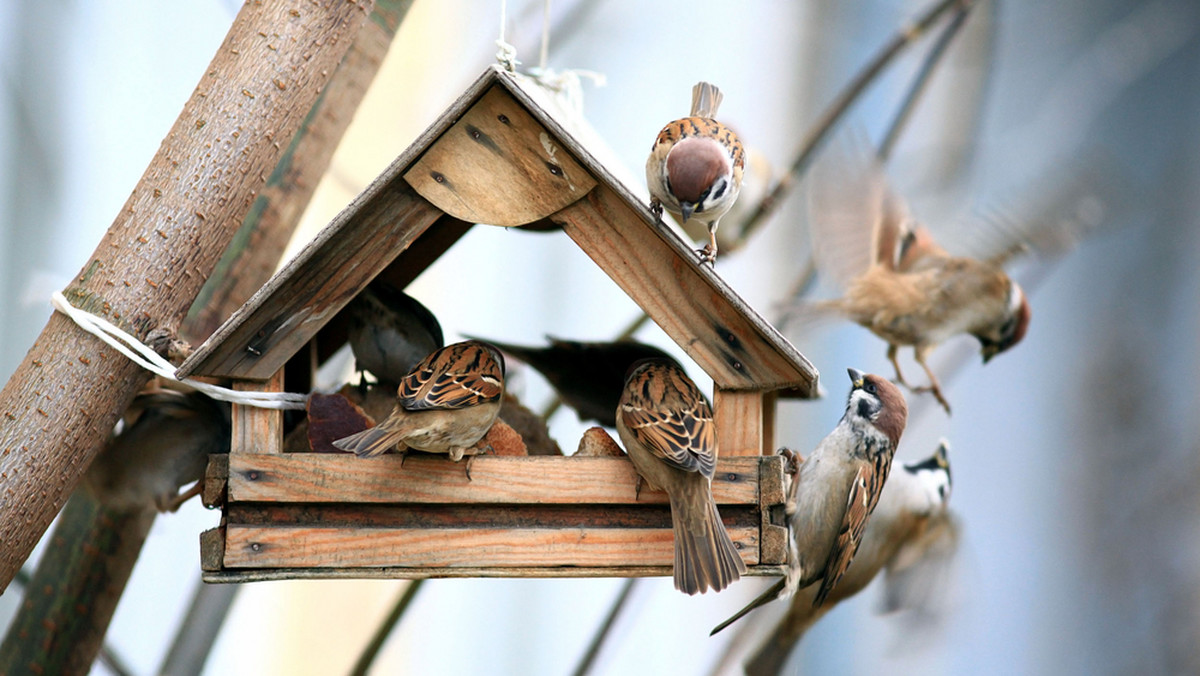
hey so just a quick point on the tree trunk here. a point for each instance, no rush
(63, 400)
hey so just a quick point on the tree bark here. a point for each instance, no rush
(62, 620)
(252, 257)
(63, 400)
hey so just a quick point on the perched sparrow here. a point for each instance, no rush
(666, 425)
(164, 449)
(695, 167)
(838, 487)
(390, 331)
(898, 281)
(444, 405)
(588, 376)
(912, 536)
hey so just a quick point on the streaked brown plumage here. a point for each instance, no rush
(898, 281)
(589, 376)
(666, 426)
(837, 488)
(695, 166)
(390, 331)
(445, 404)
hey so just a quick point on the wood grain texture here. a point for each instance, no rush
(212, 549)
(314, 286)
(236, 575)
(216, 479)
(260, 317)
(279, 547)
(320, 477)
(254, 429)
(63, 400)
(693, 306)
(497, 165)
(739, 418)
(773, 532)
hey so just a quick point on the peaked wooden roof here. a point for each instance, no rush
(500, 155)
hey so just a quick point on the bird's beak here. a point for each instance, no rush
(686, 209)
(856, 377)
(942, 454)
(988, 352)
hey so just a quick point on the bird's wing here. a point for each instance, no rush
(670, 417)
(459, 376)
(864, 495)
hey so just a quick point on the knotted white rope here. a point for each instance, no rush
(143, 356)
(507, 56)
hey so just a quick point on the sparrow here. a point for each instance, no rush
(165, 447)
(666, 426)
(695, 167)
(911, 538)
(898, 281)
(836, 489)
(445, 404)
(390, 331)
(589, 377)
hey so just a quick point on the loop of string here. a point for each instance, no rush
(143, 356)
(507, 56)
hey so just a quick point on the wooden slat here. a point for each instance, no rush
(497, 165)
(240, 575)
(739, 419)
(216, 478)
(435, 517)
(320, 477)
(278, 320)
(278, 547)
(212, 549)
(773, 531)
(254, 429)
(722, 334)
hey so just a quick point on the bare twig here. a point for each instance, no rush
(196, 634)
(371, 651)
(589, 657)
(837, 110)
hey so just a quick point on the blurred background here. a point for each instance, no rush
(1075, 456)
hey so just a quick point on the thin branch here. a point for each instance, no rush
(921, 81)
(589, 657)
(371, 651)
(828, 121)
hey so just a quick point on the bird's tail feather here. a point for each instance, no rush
(705, 556)
(706, 99)
(372, 441)
(773, 592)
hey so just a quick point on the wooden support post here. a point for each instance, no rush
(739, 417)
(258, 430)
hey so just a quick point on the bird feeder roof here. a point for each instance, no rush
(505, 154)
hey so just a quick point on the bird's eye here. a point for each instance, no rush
(870, 387)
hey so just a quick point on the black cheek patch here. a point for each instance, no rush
(864, 408)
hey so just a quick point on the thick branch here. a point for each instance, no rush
(68, 392)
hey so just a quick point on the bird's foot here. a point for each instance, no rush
(935, 391)
(708, 254)
(656, 208)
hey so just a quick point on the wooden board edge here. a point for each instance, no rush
(232, 576)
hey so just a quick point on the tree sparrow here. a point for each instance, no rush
(912, 536)
(836, 490)
(666, 426)
(588, 376)
(695, 167)
(165, 448)
(898, 281)
(390, 331)
(446, 404)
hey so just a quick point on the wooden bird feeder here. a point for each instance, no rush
(504, 155)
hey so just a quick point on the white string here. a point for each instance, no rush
(507, 56)
(150, 360)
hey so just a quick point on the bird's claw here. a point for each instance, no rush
(708, 254)
(656, 208)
